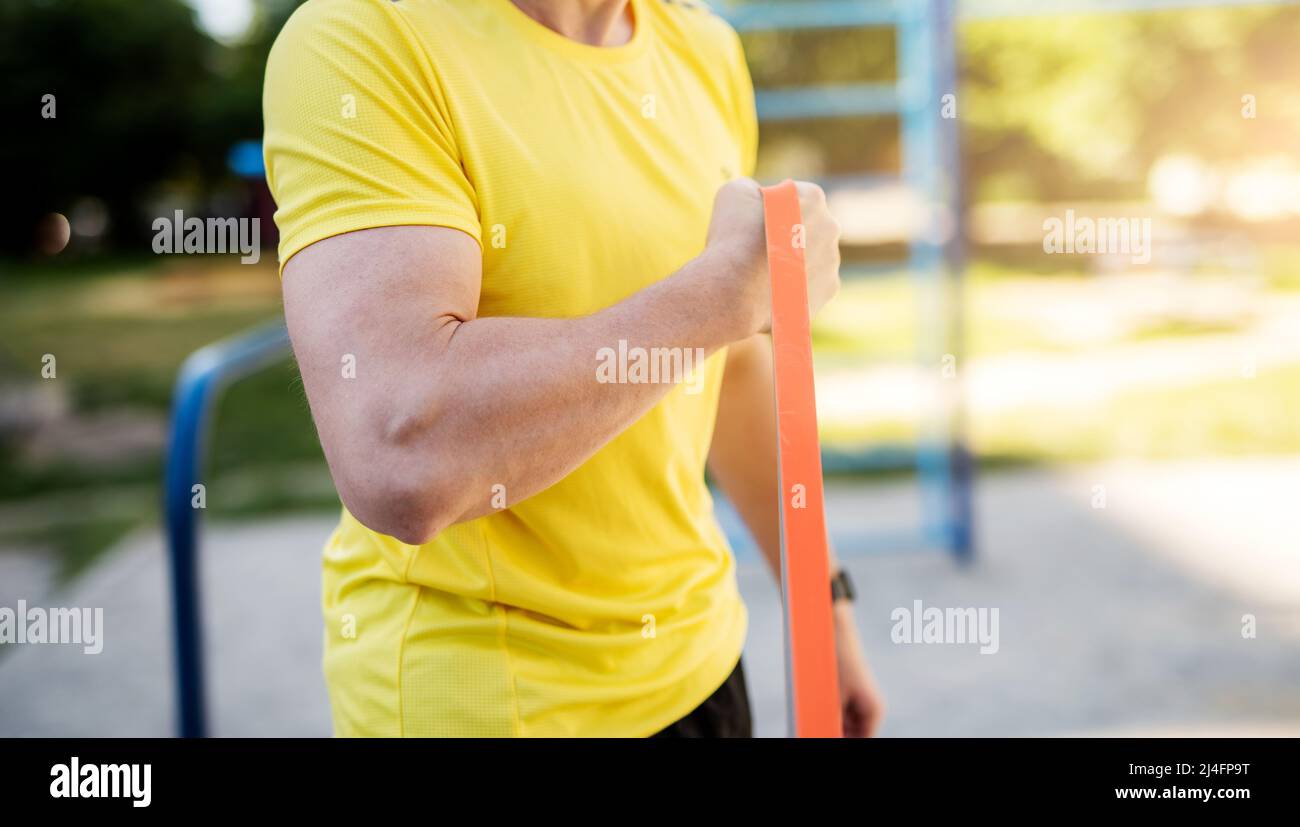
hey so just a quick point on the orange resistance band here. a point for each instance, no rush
(812, 675)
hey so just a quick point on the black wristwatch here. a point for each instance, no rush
(842, 587)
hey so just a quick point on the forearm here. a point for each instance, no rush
(513, 405)
(743, 457)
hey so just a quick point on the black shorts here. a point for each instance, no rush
(724, 714)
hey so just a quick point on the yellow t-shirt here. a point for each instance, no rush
(607, 604)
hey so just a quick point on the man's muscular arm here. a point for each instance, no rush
(444, 405)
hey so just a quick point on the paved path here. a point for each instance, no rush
(1118, 620)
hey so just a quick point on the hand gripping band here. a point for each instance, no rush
(811, 671)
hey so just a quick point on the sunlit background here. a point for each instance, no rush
(224, 19)
(1134, 424)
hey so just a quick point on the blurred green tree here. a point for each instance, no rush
(125, 76)
(1051, 106)
(142, 96)
(1077, 106)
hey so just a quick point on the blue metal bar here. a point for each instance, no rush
(871, 270)
(961, 467)
(203, 377)
(886, 457)
(840, 14)
(920, 170)
(813, 14)
(1039, 8)
(849, 540)
(832, 101)
(926, 70)
(857, 181)
(930, 172)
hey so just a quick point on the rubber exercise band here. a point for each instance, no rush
(812, 680)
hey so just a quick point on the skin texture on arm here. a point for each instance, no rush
(743, 460)
(742, 456)
(443, 405)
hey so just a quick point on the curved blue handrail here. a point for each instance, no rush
(203, 378)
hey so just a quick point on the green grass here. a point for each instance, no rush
(76, 544)
(1181, 328)
(1227, 417)
(1281, 264)
(876, 319)
(119, 332)
(121, 329)
(1231, 417)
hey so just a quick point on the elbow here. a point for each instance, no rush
(401, 481)
(409, 495)
(411, 511)
(411, 527)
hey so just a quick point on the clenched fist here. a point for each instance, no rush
(737, 237)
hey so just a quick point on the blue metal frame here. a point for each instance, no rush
(959, 504)
(203, 378)
(832, 101)
(1039, 8)
(926, 70)
(811, 14)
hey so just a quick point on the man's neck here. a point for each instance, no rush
(594, 22)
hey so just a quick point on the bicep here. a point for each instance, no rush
(367, 312)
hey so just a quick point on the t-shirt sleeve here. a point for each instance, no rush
(357, 130)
